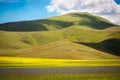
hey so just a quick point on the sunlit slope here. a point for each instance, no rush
(85, 19)
(69, 43)
(17, 40)
(63, 49)
(59, 22)
(66, 49)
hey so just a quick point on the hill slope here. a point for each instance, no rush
(59, 22)
(41, 44)
(19, 40)
(66, 49)
(62, 49)
(69, 36)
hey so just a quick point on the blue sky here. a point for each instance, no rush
(117, 1)
(13, 10)
(20, 10)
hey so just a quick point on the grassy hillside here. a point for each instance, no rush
(85, 19)
(65, 49)
(74, 33)
(68, 43)
(59, 22)
(69, 36)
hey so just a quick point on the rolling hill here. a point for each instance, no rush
(68, 36)
(59, 22)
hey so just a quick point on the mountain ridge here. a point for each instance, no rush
(59, 22)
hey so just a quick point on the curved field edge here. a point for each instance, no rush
(43, 62)
(94, 76)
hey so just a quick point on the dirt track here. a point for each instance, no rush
(70, 70)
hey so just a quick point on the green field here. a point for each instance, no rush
(114, 76)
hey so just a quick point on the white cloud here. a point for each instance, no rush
(105, 8)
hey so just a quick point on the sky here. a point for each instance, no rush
(21, 10)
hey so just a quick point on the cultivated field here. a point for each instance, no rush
(41, 62)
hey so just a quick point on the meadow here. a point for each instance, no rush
(93, 76)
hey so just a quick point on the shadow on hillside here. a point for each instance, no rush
(111, 46)
(57, 24)
(93, 22)
(36, 25)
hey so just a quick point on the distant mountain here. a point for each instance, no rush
(59, 22)
(69, 36)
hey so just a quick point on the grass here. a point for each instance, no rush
(59, 22)
(94, 76)
(84, 19)
(59, 44)
(56, 38)
(76, 34)
(63, 49)
(42, 62)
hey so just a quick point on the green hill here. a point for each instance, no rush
(66, 49)
(69, 36)
(59, 22)
(30, 44)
